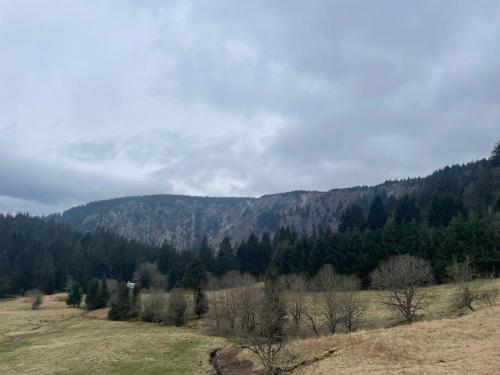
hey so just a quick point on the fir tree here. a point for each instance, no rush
(206, 255)
(252, 252)
(125, 306)
(352, 218)
(5, 281)
(377, 215)
(166, 258)
(194, 276)
(495, 155)
(103, 295)
(225, 257)
(200, 303)
(75, 295)
(442, 210)
(92, 295)
(406, 210)
(264, 254)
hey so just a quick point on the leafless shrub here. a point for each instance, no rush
(399, 277)
(215, 300)
(489, 295)
(329, 284)
(35, 298)
(147, 276)
(177, 308)
(154, 307)
(312, 307)
(113, 287)
(229, 297)
(462, 274)
(249, 299)
(296, 300)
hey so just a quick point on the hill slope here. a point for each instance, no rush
(184, 220)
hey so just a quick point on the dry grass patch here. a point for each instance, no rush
(60, 340)
(469, 344)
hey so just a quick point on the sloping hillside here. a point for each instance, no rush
(184, 220)
(465, 345)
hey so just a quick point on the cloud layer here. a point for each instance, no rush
(109, 98)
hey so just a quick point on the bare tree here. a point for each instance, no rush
(248, 297)
(214, 294)
(352, 308)
(268, 337)
(329, 284)
(312, 307)
(462, 274)
(296, 300)
(229, 295)
(400, 277)
(35, 298)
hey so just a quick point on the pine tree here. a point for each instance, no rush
(103, 295)
(200, 303)
(252, 251)
(264, 254)
(5, 280)
(406, 210)
(75, 295)
(495, 155)
(225, 257)
(352, 219)
(206, 255)
(166, 257)
(194, 276)
(377, 215)
(125, 307)
(442, 210)
(92, 295)
(242, 257)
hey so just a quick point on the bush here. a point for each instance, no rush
(462, 274)
(489, 295)
(177, 307)
(154, 307)
(147, 276)
(35, 298)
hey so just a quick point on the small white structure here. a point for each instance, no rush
(130, 285)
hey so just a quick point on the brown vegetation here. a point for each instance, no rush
(400, 277)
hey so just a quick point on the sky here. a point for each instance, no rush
(109, 98)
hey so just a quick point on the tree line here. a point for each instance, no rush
(447, 220)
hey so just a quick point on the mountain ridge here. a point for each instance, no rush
(184, 220)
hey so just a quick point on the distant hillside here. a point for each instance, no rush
(184, 220)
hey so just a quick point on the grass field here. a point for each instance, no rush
(61, 340)
(466, 345)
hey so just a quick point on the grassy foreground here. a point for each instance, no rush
(61, 340)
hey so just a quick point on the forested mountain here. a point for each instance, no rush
(452, 214)
(185, 220)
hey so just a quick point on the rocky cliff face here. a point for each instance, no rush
(184, 220)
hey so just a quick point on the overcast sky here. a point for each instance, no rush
(102, 98)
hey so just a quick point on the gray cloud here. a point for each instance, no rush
(110, 98)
